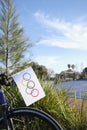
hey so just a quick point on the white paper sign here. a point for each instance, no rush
(29, 86)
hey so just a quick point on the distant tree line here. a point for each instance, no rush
(41, 71)
(83, 74)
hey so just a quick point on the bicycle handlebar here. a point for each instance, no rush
(6, 80)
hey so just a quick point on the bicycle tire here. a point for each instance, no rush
(31, 119)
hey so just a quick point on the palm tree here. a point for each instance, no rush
(69, 66)
(73, 66)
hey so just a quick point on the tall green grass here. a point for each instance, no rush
(56, 104)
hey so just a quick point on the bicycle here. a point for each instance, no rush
(25, 118)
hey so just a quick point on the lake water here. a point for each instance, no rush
(76, 88)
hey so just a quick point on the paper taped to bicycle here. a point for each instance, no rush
(29, 86)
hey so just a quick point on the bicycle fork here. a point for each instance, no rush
(3, 103)
(4, 114)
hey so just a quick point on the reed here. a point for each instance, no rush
(56, 103)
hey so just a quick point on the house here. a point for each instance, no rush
(69, 75)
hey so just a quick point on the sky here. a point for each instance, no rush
(58, 29)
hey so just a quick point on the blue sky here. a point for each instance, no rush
(58, 28)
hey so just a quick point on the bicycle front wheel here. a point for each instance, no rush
(31, 119)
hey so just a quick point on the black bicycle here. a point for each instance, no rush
(25, 118)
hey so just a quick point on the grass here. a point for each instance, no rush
(56, 103)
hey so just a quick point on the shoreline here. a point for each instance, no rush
(77, 102)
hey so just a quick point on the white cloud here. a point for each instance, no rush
(74, 35)
(51, 62)
(65, 43)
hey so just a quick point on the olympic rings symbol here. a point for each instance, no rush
(26, 76)
(30, 85)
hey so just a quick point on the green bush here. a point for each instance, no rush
(56, 104)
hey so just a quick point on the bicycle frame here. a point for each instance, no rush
(2, 98)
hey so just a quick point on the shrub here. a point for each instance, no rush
(56, 104)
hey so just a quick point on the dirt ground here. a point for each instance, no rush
(77, 102)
